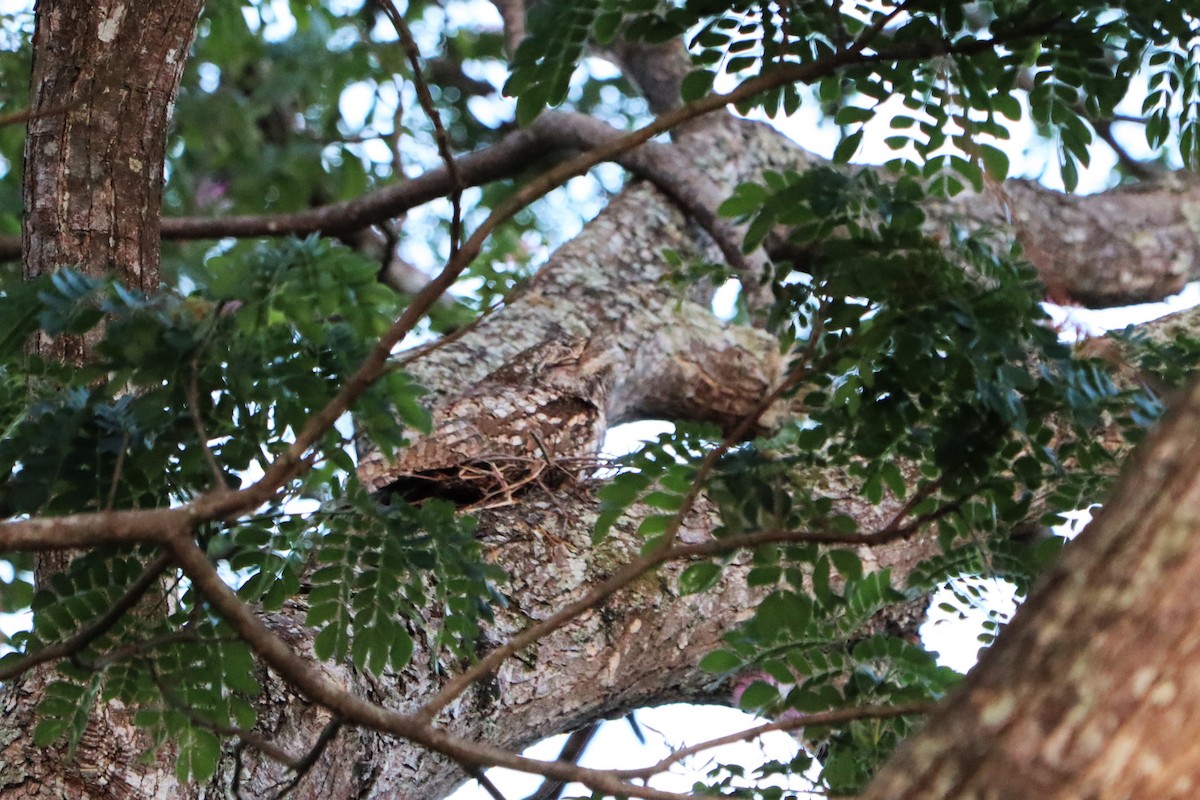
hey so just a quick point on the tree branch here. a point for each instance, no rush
(789, 723)
(413, 53)
(75, 531)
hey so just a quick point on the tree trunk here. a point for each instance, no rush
(104, 77)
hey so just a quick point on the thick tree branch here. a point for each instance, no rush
(1128, 245)
(43, 534)
(1147, 237)
(292, 463)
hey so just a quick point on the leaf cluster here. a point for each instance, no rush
(188, 392)
(958, 70)
(936, 387)
(188, 679)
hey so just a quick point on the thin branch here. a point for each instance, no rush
(571, 751)
(193, 401)
(672, 172)
(397, 127)
(871, 33)
(1142, 170)
(427, 105)
(813, 720)
(305, 764)
(97, 627)
(1137, 168)
(486, 783)
(921, 495)
(118, 468)
(512, 13)
(504, 159)
(891, 532)
(28, 114)
(250, 738)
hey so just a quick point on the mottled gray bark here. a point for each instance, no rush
(638, 649)
(1128, 245)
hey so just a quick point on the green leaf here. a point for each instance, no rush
(758, 695)
(697, 84)
(853, 115)
(19, 310)
(699, 577)
(49, 730)
(995, 161)
(747, 198)
(847, 148)
(822, 587)
(199, 751)
(847, 563)
(330, 643)
(720, 661)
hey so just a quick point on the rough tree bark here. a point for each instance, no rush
(104, 77)
(596, 339)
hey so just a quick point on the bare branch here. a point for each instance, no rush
(486, 783)
(791, 723)
(141, 526)
(28, 114)
(305, 764)
(427, 105)
(576, 743)
(118, 469)
(193, 401)
(512, 12)
(503, 159)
